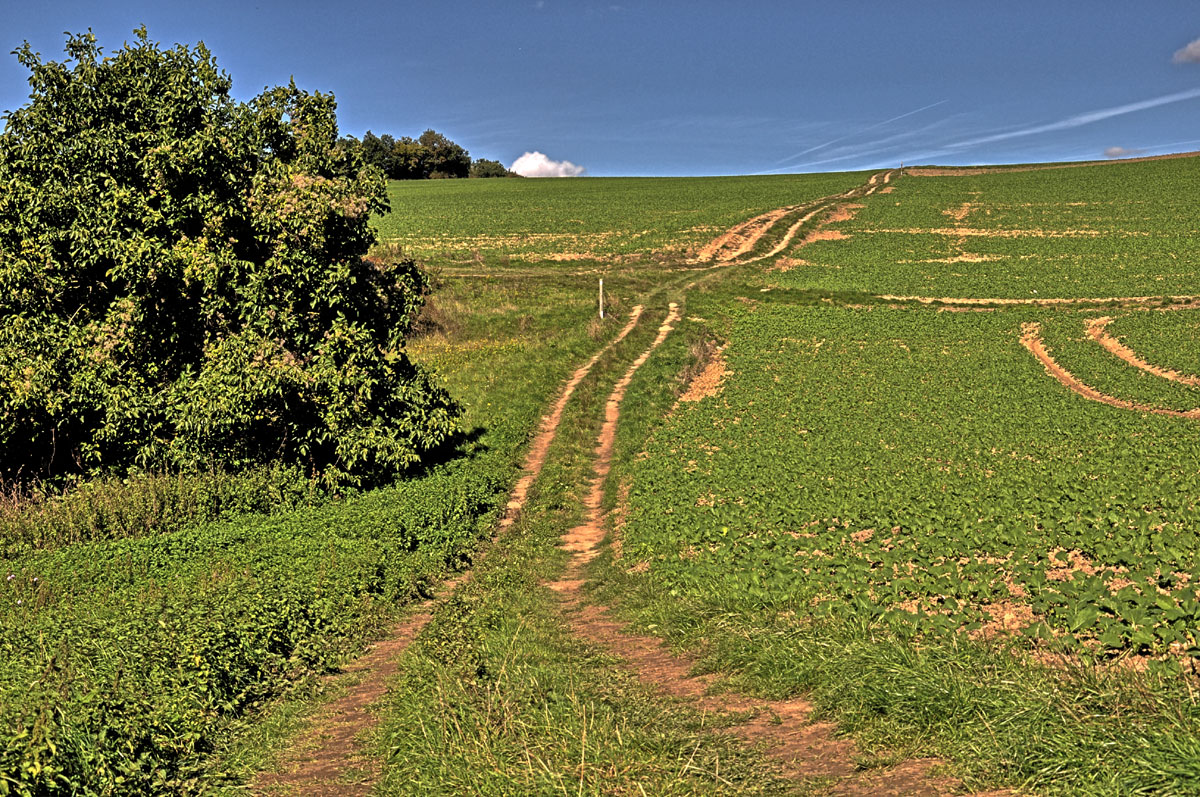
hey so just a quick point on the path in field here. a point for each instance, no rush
(1097, 330)
(326, 753)
(1031, 338)
(803, 748)
(741, 239)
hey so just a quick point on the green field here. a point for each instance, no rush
(1119, 230)
(886, 505)
(572, 219)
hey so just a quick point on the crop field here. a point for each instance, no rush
(918, 456)
(1120, 230)
(958, 421)
(920, 469)
(584, 219)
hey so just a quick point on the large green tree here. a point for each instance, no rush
(184, 278)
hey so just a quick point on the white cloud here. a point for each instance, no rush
(535, 164)
(1121, 152)
(1188, 55)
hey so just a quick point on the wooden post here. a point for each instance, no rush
(601, 298)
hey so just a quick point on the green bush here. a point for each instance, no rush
(124, 663)
(183, 279)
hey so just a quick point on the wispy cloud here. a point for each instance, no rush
(1187, 55)
(535, 164)
(1082, 119)
(896, 143)
(797, 156)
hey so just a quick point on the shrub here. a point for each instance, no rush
(183, 279)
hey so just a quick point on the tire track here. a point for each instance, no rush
(321, 755)
(740, 240)
(1097, 330)
(804, 749)
(1031, 338)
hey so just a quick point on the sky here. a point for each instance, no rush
(622, 87)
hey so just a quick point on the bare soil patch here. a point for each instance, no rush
(975, 232)
(741, 239)
(785, 264)
(709, 381)
(959, 213)
(845, 212)
(1097, 331)
(1180, 302)
(824, 235)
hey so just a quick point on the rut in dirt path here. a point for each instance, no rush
(740, 240)
(803, 749)
(1031, 338)
(1097, 330)
(326, 759)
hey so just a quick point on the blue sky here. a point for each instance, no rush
(624, 87)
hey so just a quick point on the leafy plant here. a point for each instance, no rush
(183, 278)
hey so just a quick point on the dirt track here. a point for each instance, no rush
(736, 242)
(1031, 338)
(803, 748)
(1097, 330)
(326, 750)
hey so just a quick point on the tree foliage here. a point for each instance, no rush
(429, 156)
(183, 278)
(481, 167)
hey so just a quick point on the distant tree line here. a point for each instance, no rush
(429, 156)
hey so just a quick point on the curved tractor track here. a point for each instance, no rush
(1031, 338)
(1097, 330)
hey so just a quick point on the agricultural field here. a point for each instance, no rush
(444, 221)
(921, 458)
(906, 466)
(1117, 230)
